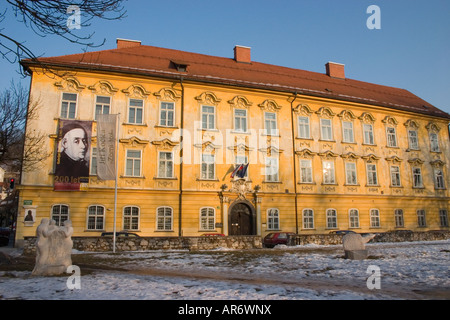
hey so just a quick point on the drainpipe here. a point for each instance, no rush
(294, 160)
(180, 195)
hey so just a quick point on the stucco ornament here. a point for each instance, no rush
(53, 248)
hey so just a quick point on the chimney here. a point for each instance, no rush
(335, 70)
(242, 54)
(125, 43)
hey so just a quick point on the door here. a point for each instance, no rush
(241, 221)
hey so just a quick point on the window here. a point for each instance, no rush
(421, 220)
(133, 163)
(68, 105)
(240, 159)
(413, 140)
(166, 117)
(271, 169)
(347, 128)
(93, 165)
(60, 213)
(240, 120)
(395, 176)
(102, 105)
(164, 219)
(273, 219)
(328, 172)
(135, 111)
(326, 129)
(306, 175)
(331, 219)
(374, 218)
(434, 142)
(372, 179)
(308, 219)
(368, 133)
(391, 137)
(131, 218)
(350, 173)
(208, 117)
(208, 167)
(165, 169)
(353, 215)
(96, 218)
(439, 178)
(207, 219)
(270, 123)
(303, 128)
(398, 215)
(417, 177)
(443, 218)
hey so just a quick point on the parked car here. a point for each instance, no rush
(343, 232)
(273, 239)
(121, 234)
(4, 236)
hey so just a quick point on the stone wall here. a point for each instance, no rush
(103, 244)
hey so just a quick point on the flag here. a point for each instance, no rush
(242, 172)
(106, 146)
(239, 167)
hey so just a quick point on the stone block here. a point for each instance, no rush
(356, 254)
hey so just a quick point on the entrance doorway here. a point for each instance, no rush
(242, 220)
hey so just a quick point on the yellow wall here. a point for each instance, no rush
(149, 192)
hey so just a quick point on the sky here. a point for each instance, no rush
(410, 50)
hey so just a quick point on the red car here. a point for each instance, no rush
(273, 239)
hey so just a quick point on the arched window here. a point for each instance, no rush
(207, 219)
(353, 215)
(374, 218)
(131, 218)
(60, 213)
(273, 219)
(164, 219)
(308, 219)
(96, 218)
(331, 219)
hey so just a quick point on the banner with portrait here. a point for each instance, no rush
(106, 146)
(73, 155)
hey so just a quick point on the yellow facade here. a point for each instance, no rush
(314, 137)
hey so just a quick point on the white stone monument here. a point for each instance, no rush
(53, 248)
(355, 246)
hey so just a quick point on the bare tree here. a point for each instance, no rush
(52, 18)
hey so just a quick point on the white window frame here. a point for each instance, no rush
(207, 219)
(68, 106)
(135, 108)
(306, 171)
(210, 118)
(273, 219)
(331, 218)
(308, 218)
(439, 181)
(434, 142)
(351, 175)
(413, 139)
(304, 128)
(162, 225)
(326, 130)
(375, 221)
(96, 216)
(242, 120)
(102, 105)
(372, 174)
(348, 133)
(207, 167)
(59, 216)
(164, 163)
(417, 177)
(391, 137)
(368, 134)
(329, 172)
(353, 218)
(270, 125)
(167, 112)
(395, 176)
(271, 169)
(241, 159)
(131, 216)
(134, 161)
(399, 218)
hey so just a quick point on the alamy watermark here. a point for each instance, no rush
(374, 21)
(74, 281)
(74, 20)
(374, 279)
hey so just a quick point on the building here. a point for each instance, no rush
(324, 152)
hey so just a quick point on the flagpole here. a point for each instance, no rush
(116, 176)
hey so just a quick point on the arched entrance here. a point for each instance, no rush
(242, 219)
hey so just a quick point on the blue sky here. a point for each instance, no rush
(410, 51)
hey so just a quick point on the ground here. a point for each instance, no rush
(408, 270)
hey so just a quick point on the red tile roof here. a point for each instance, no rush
(154, 61)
